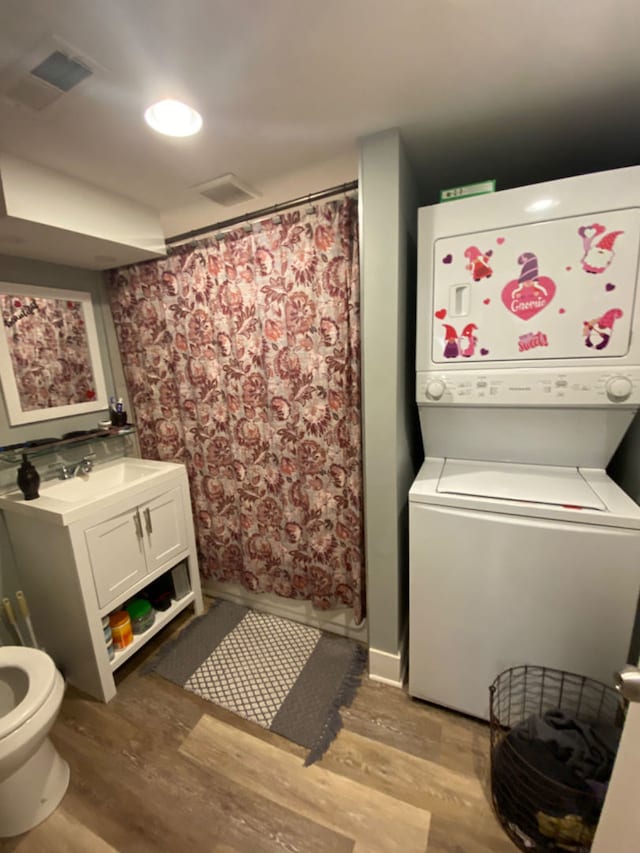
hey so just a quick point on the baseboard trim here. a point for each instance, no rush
(386, 667)
(335, 621)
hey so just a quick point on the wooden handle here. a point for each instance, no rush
(8, 609)
(22, 603)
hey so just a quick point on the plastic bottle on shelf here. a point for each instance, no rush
(142, 615)
(121, 629)
(106, 627)
(28, 479)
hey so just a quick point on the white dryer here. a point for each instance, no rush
(522, 550)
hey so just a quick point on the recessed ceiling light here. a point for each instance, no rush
(173, 118)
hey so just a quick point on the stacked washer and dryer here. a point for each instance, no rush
(522, 549)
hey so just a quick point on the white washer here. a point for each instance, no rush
(522, 550)
(514, 564)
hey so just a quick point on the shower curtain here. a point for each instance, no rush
(242, 360)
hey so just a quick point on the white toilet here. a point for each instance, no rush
(33, 777)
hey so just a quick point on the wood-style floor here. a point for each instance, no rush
(159, 769)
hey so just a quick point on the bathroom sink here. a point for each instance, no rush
(62, 502)
(98, 482)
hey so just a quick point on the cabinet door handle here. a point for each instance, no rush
(138, 523)
(147, 520)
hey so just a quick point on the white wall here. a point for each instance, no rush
(47, 215)
(391, 437)
(315, 178)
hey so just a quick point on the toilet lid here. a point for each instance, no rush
(40, 671)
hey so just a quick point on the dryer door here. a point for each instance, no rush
(561, 289)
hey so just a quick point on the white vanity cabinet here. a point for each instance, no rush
(135, 543)
(84, 551)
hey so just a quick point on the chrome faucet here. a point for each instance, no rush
(83, 467)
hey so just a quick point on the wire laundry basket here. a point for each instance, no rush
(536, 811)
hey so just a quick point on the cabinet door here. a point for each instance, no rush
(165, 534)
(116, 553)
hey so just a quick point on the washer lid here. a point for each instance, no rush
(541, 484)
(40, 672)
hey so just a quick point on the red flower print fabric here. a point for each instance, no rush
(49, 352)
(242, 359)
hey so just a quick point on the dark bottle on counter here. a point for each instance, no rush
(28, 479)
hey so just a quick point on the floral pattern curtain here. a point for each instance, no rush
(242, 358)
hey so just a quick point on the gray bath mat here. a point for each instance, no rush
(287, 677)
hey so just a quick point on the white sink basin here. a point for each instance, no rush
(121, 482)
(84, 487)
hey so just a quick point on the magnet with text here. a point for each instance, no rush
(531, 340)
(531, 292)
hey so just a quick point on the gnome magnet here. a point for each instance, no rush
(451, 349)
(597, 255)
(478, 263)
(468, 340)
(527, 295)
(597, 333)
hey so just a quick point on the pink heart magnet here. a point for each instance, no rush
(527, 299)
(486, 301)
(499, 240)
(441, 314)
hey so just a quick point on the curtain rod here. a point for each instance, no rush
(265, 211)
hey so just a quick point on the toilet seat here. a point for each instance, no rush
(40, 671)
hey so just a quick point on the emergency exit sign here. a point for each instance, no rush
(469, 190)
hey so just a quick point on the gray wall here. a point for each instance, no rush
(625, 467)
(389, 420)
(25, 271)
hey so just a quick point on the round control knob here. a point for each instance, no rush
(619, 388)
(435, 389)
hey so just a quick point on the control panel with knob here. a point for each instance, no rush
(585, 388)
(619, 388)
(435, 389)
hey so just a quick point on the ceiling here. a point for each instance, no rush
(507, 89)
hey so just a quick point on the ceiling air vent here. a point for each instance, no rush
(226, 190)
(61, 71)
(47, 81)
